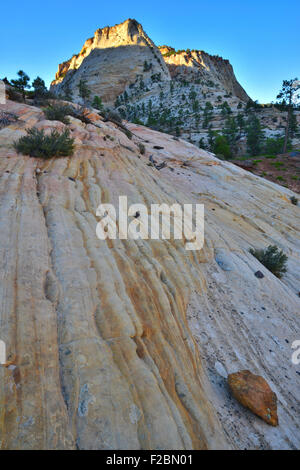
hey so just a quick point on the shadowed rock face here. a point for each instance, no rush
(110, 344)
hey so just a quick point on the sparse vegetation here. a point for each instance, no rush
(272, 258)
(84, 91)
(97, 103)
(40, 91)
(286, 98)
(59, 112)
(294, 200)
(37, 144)
(141, 148)
(254, 134)
(22, 83)
(274, 145)
(222, 147)
(6, 119)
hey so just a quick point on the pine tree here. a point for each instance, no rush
(97, 103)
(208, 114)
(68, 95)
(230, 131)
(84, 91)
(21, 83)
(211, 136)
(293, 128)
(287, 96)
(221, 146)
(240, 122)
(254, 134)
(225, 109)
(39, 87)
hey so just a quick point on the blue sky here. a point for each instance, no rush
(259, 37)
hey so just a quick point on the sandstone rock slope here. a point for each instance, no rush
(112, 344)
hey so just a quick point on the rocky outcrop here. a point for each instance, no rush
(113, 344)
(110, 61)
(185, 64)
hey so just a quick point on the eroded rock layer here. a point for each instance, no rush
(103, 337)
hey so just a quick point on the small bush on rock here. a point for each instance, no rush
(272, 258)
(37, 144)
(58, 112)
(294, 200)
(141, 148)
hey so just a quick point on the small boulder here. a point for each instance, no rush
(259, 274)
(254, 393)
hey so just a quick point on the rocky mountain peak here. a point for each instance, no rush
(187, 93)
(110, 61)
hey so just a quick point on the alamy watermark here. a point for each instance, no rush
(164, 222)
(296, 354)
(2, 352)
(2, 92)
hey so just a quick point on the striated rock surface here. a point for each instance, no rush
(254, 393)
(113, 344)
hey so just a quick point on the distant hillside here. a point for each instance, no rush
(187, 93)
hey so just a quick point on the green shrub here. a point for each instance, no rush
(274, 145)
(59, 112)
(141, 148)
(272, 258)
(278, 165)
(84, 91)
(294, 200)
(221, 146)
(97, 103)
(37, 144)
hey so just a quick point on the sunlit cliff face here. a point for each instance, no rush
(129, 33)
